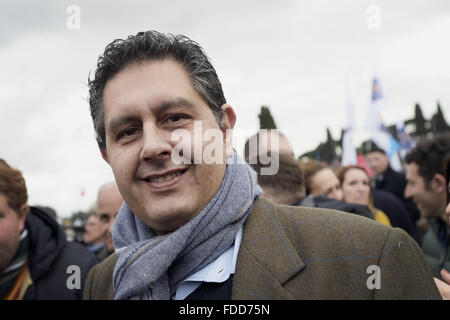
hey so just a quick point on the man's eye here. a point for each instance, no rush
(175, 118)
(104, 218)
(128, 132)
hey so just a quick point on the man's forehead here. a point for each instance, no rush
(326, 177)
(137, 80)
(412, 171)
(108, 208)
(376, 154)
(109, 194)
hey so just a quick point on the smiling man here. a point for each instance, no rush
(427, 186)
(144, 104)
(200, 230)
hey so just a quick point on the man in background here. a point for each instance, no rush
(93, 234)
(428, 188)
(109, 201)
(287, 185)
(267, 140)
(36, 260)
(389, 180)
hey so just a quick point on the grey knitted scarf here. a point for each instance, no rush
(151, 266)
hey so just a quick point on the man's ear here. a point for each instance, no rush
(229, 117)
(228, 121)
(104, 154)
(438, 183)
(23, 212)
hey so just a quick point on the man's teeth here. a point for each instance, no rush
(166, 177)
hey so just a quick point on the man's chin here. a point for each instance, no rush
(426, 214)
(166, 221)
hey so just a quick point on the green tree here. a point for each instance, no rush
(438, 122)
(265, 119)
(329, 148)
(419, 121)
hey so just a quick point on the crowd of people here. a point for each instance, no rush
(224, 230)
(415, 202)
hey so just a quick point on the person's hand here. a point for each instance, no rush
(444, 287)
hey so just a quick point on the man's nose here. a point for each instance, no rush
(156, 144)
(111, 225)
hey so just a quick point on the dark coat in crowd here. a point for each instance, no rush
(396, 212)
(436, 247)
(49, 256)
(300, 253)
(395, 182)
(320, 201)
(103, 253)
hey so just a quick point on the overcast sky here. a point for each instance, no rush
(298, 57)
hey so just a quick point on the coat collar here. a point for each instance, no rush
(266, 258)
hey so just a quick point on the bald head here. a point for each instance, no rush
(109, 201)
(268, 140)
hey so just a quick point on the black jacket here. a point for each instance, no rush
(396, 212)
(395, 182)
(320, 201)
(49, 256)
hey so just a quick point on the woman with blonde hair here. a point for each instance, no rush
(355, 183)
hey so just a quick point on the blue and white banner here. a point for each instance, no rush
(378, 132)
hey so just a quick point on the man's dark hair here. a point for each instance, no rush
(429, 156)
(148, 46)
(288, 178)
(375, 148)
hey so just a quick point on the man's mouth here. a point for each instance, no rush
(164, 178)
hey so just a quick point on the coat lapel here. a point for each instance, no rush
(266, 258)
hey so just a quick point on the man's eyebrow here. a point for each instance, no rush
(169, 104)
(117, 122)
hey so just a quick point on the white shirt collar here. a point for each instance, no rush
(217, 271)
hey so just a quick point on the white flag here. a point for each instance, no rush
(378, 132)
(349, 156)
